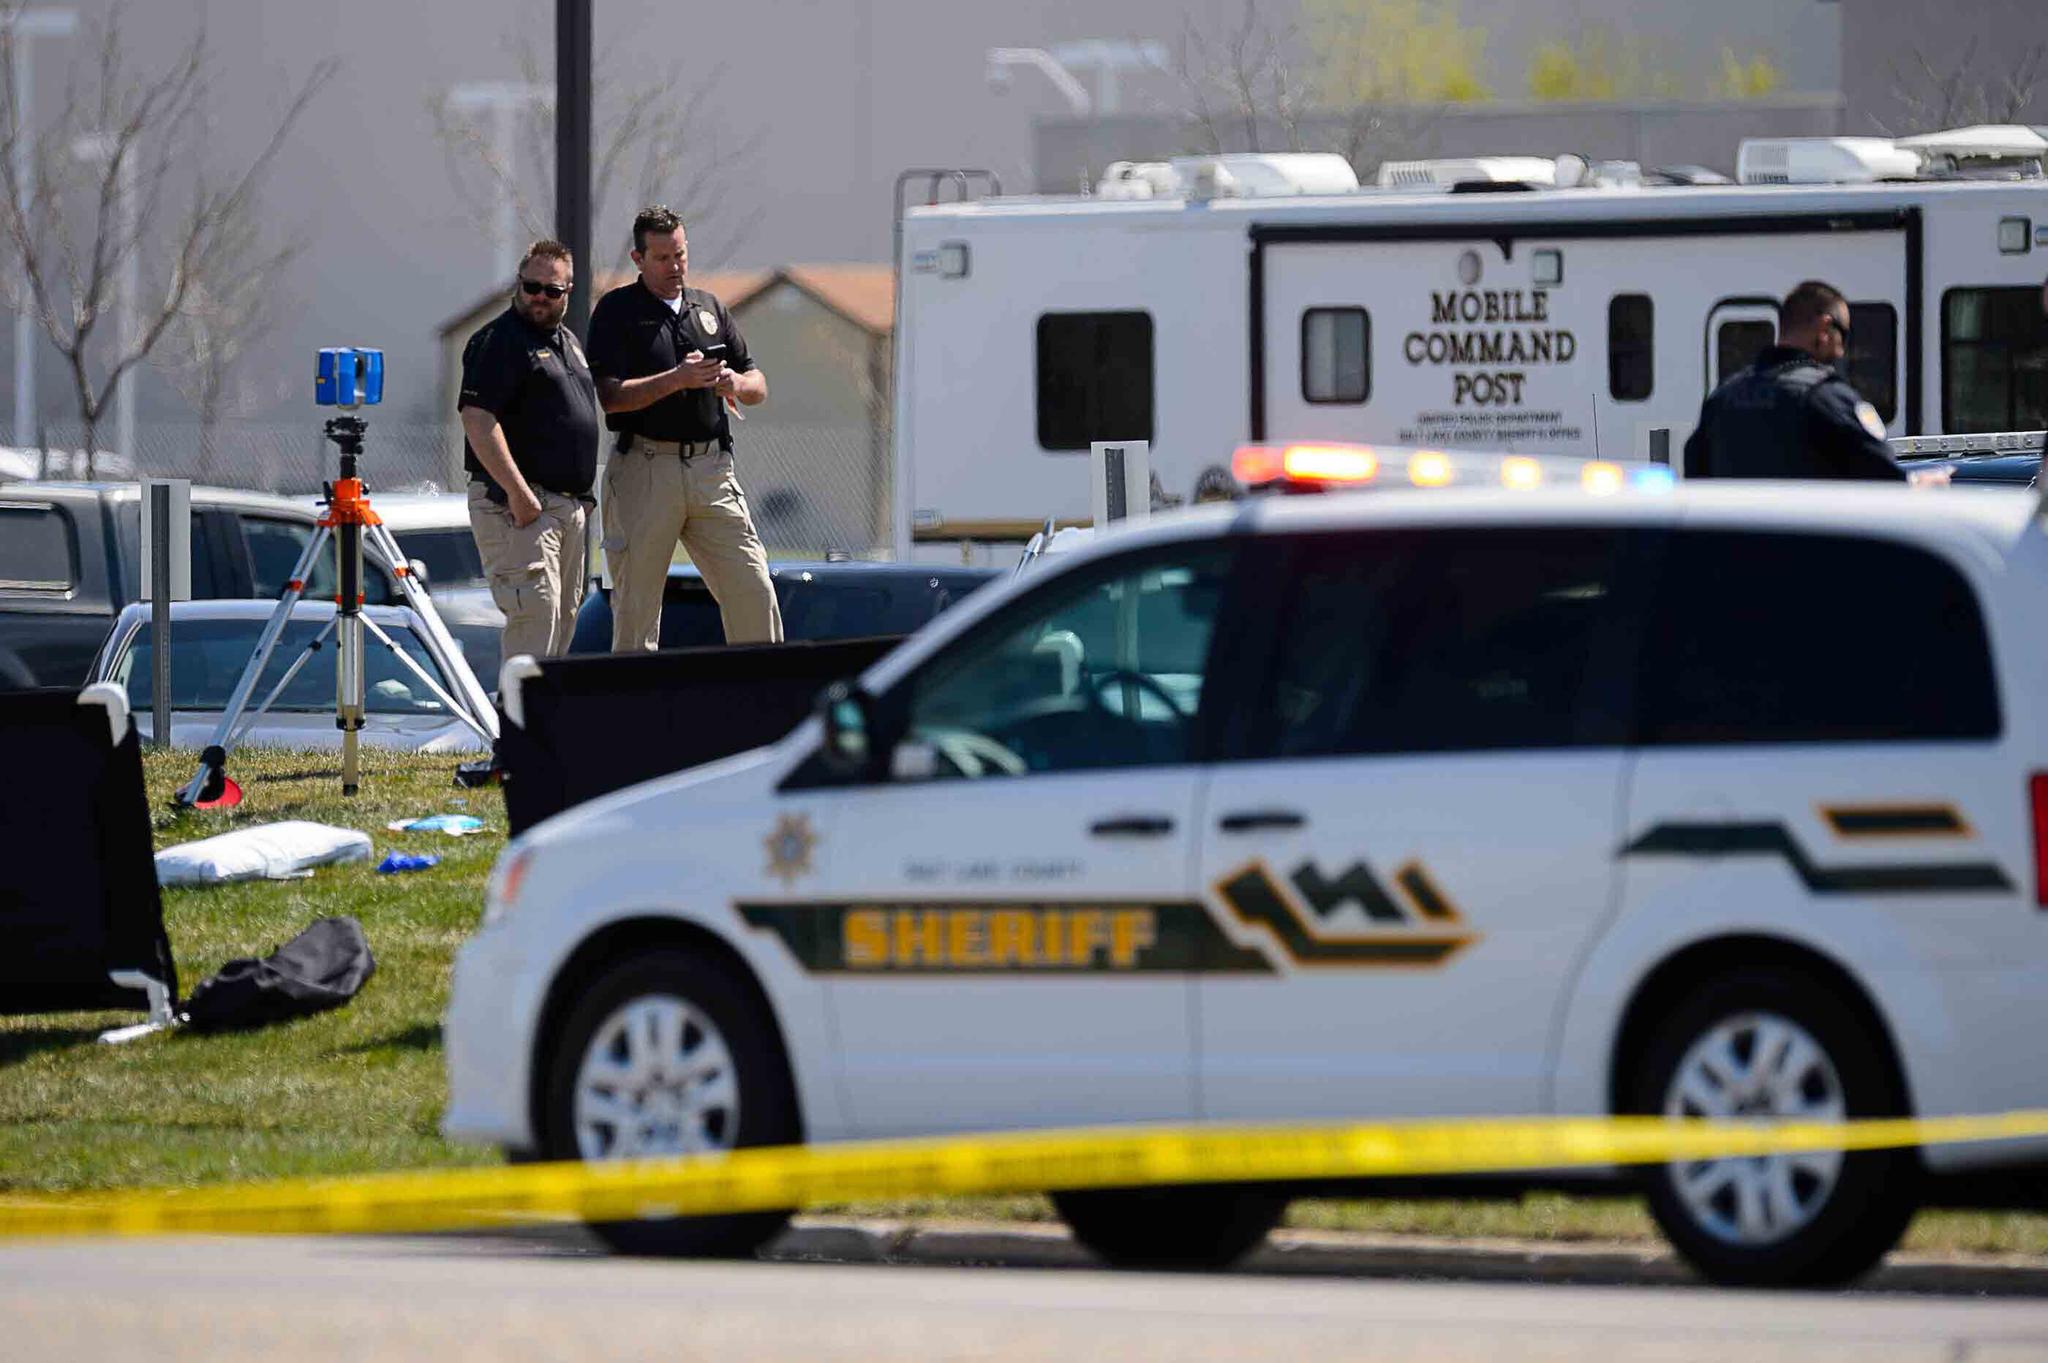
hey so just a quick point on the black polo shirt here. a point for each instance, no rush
(633, 333)
(538, 385)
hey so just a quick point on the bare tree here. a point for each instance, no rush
(1241, 89)
(145, 197)
(224, 319)
(656, 139)
(1969, 88)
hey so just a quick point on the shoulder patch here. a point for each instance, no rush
(1867, 417)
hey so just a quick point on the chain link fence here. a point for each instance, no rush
(813, 489)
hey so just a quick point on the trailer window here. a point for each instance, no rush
(1094, 378)
(1336, 355)
(1872, 364)
(1737, 343)
(1994, 360)
(1631, 353)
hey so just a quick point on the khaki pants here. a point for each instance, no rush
(537, 571)
(652, 499)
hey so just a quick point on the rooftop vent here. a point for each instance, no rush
(1823, 161)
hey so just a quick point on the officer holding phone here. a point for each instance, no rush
(669, 365)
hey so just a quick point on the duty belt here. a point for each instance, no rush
(688, 449)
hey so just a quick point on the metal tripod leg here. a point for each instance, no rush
(426, 678)
(306, 654)
(473, 701)
(207, 782)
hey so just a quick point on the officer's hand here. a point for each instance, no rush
(523, 507)
(698, 370)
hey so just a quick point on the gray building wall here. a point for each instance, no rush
(1889, 47)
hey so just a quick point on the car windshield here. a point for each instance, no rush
(207, 658)
(449, 555)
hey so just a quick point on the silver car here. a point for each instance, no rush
(211, 643)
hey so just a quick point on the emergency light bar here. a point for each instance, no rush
(1313, 467)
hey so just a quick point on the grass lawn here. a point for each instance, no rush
(361, 1088)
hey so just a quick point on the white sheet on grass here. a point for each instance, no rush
(271, 851)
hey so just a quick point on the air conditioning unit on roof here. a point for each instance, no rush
(1823, 161)
(1264, 175)
(1446, 172)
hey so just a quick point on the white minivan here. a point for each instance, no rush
(1722, 800)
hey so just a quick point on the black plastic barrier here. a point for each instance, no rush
(592, 725)
(78, 891)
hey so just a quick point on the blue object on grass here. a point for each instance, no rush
(406, 861)
(455, 825)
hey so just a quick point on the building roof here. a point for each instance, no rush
(864, 294)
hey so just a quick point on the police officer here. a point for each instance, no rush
(529, 415)
(668, 359)
(1789, 414)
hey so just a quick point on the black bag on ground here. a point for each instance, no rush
(321, 968)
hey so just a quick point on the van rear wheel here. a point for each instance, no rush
(666, 1055)
(1180, 1228)
(1776, 1044)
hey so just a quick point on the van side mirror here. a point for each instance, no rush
(847, 713)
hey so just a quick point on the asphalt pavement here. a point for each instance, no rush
(549, 1295)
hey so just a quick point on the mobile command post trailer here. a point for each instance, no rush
(1231, 306)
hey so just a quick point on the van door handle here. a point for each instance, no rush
(1132, 826)
(1252, 820)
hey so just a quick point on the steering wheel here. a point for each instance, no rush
(1101, 683)
(972, 754)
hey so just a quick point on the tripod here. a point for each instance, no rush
(354, 528)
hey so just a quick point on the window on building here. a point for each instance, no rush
(1336, 355)
(1756, 640)
(36, 551)
(1872, 364)
(1631, 347)
(1094, 378)
(1994, 360)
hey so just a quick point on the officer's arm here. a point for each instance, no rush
(1837, 419)
(487, 438)
(630, 395)
(749, 389)
(1693, 463)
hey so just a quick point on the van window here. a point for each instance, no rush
(1447, 641)
(1737, 343)
(1336, 355)
(1872, 364)
(1631, 354)
(36, 549)
(1757, 640)
(1994, 360)
(1094, 378)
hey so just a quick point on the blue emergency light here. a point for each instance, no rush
(349, 376)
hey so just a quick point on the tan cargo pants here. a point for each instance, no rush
(537, 571)
(652, 498)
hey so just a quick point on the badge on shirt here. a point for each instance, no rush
(708, 320)
(1870, 420)
(544, 355)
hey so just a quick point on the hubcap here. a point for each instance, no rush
(656, 1079)
(1763, 1066)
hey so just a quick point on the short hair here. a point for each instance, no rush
(1807, 304)
(547, 248)
(654, 218)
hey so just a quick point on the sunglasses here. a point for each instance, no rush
(532, 287)
(1840, 330)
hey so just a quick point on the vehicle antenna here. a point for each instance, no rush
(1596, 424)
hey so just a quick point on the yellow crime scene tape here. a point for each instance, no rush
(778, 1177)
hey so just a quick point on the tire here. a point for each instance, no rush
(739, 1092)
(1177, 1229)
(1783, 1221)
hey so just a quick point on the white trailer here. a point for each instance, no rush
(1542, 318)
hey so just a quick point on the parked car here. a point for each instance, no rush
(211, 643)
(1470, 804)
(70, 559)
(849, 599)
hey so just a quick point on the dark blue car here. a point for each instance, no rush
(837, 600)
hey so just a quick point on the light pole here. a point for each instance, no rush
(1108, 56)
(101, 147)
(1001, 59)
(503, 101)
(27, 26)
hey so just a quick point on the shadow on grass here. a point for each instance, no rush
(425, 1036)
(16, 1047)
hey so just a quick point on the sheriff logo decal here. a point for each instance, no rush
(790, 847)
(708, 319)
(1265, 927)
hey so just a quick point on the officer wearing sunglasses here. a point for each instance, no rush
(530, 418)
(1791, 414)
